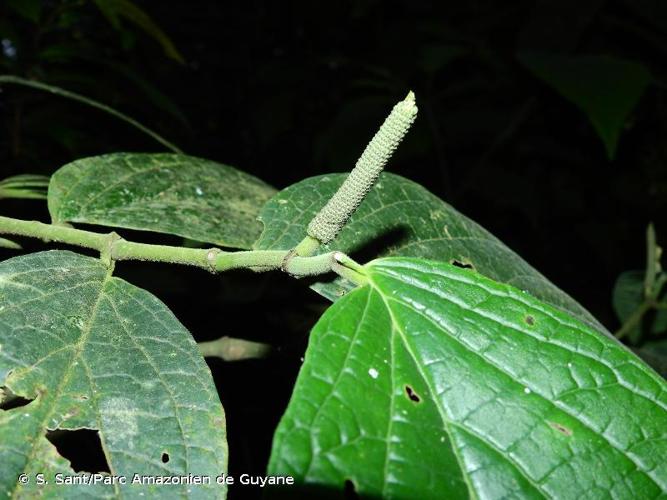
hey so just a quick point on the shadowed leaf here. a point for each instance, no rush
(402, 218)
(607, 89)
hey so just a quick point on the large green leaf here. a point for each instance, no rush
(168, 193)
(414, 223)
(434, 382)
(94, 352)
(607, 89)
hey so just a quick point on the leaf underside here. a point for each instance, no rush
(167, 193)
(94, 352)
(606, 88)
(434, 382)
(404, 219)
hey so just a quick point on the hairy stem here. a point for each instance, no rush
(634, 319)
(48, 232)
(114, 248)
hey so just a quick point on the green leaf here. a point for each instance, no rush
(413, 222)
(24, 186)
(167, 193)
(627, 297)
(606, 88)
(115, 9)
(435, 382)
(94, 352)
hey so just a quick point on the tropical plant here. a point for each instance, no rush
(447, 367)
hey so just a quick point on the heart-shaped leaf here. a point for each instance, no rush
(168, 193)
(435, 382)
(93, 352)
(606, 88)
(406, 220)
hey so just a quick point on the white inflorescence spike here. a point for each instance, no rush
(331, 219)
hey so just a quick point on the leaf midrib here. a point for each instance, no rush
(622, 452)
(431, 389)
(65, 380)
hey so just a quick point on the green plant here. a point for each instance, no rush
(446, 368)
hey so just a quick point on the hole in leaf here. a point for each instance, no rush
(350, 490)
(165, 457)
(9, 401)
(529, 320)
(82, 448)
(461, 264)
(412, 395)
(560, 428)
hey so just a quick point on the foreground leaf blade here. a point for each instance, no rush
(94, 352)
(167, 193)
(412, 222)
(435, 382)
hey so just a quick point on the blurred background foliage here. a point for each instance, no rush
(544, 121)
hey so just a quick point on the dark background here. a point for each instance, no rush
(288, 90)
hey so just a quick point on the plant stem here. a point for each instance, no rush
(634, 319)
(48, 232)
(114, 248)
(652, 261)
(349, 269)
(307, 246)
(231, 349)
